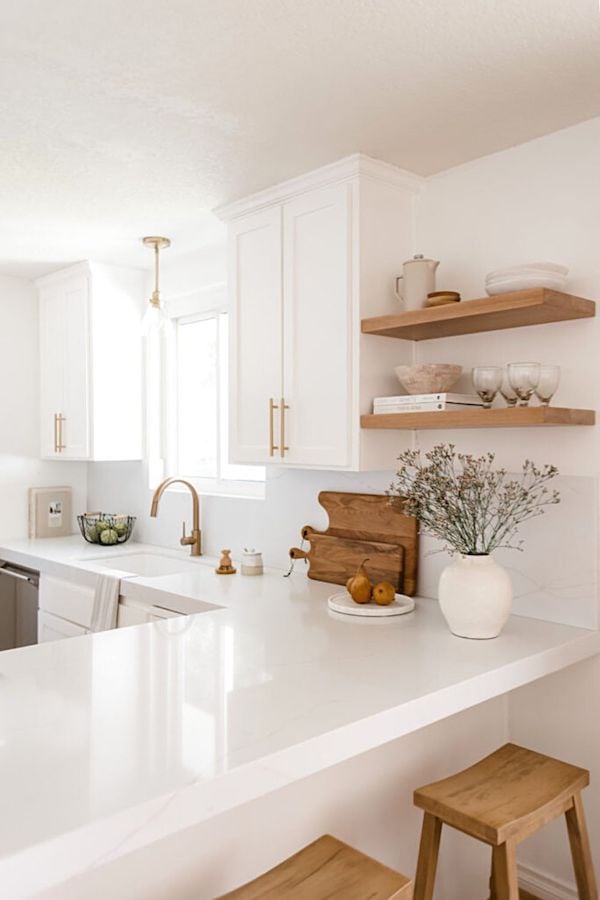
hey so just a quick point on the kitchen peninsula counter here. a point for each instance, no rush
(111, 741)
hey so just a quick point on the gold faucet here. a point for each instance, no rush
(194, 540)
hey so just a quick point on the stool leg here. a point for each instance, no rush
(504, 868)
(580, 850)
(493, 895)
(428, 857)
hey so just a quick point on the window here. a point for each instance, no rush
(195, 409)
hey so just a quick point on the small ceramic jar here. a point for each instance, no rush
(252, 563)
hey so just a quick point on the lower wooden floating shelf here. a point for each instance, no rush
(516, 417)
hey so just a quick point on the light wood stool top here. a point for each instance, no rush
(509, 794)
(501, 800)
(326, 868)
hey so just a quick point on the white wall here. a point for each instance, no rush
(537, 201)
(20, 465)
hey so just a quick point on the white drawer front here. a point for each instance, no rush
(53, 628)
(133, 614)
(67, 600)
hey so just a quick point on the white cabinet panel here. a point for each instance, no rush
(66, 600)
(90, 363)
(140, 614)
(76, 425)
(53, 628)
(128, 614)
(317, 310)
(255, 332)
(52, 366)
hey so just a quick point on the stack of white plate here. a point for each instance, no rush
(530, 275)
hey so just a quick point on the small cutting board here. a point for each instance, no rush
(371, 517)
(363, 525)
(336, 559)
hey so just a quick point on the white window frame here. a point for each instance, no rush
(209, 302)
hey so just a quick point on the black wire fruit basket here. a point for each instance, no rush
(106, 529)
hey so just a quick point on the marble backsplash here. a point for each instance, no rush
(554, 577)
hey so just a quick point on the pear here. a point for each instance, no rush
(359, 587)
(384, 593)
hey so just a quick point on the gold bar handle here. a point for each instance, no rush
(58, 433)
(283, 446)
(272, 446)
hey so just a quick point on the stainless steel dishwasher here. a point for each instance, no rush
(18, 606)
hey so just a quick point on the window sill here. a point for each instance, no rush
(211, 487)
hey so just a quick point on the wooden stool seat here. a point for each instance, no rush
(326, 868)
(509, 794)
(501, 800)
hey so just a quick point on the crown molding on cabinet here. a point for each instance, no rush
(358, 164)
(79, 268)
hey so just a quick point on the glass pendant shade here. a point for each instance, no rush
(154, 319)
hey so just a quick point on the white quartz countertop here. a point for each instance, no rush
(111, 741)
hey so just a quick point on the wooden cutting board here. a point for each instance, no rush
(336, 559)
(365, 518)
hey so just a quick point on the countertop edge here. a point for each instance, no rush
(130, 829)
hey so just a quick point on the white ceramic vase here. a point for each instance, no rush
(475, 595)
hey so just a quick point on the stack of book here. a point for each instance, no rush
(411, 403)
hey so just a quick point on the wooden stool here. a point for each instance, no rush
(326, 868)
(501, 800)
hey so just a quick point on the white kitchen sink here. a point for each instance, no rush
(149, 565)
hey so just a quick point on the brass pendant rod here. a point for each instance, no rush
(156, 294)
(158, 244)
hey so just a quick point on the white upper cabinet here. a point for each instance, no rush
(91, 363)
(255, 332)
(317, 336)
(308, 259)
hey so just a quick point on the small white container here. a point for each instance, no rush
(252, 563)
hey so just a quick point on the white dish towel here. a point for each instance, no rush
(106, 603)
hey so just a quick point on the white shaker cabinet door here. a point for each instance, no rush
(53, 628)
(317, 316)
(76, 427)
(255, 335)
(64, 358)
(52, 363)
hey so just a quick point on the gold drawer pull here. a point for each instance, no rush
(58, 435)
(272, 446)
(283, 447)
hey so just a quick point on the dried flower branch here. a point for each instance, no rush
(460, 499)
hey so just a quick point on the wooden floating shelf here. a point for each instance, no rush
(507, 417)
(537, 306)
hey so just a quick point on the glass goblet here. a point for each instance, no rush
(547, 384)
(487, 381)
(509, 395)
(523, 379)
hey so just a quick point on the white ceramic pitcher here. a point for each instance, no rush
(417, 280)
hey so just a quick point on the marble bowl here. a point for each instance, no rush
(430, 378)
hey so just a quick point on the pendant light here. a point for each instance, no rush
(154, 317)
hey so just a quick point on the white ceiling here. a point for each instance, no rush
(120, 118)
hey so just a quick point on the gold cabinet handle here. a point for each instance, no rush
(283, 446)
(272, 446)
(58, 435)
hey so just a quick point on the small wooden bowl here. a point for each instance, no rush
(439, 298)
